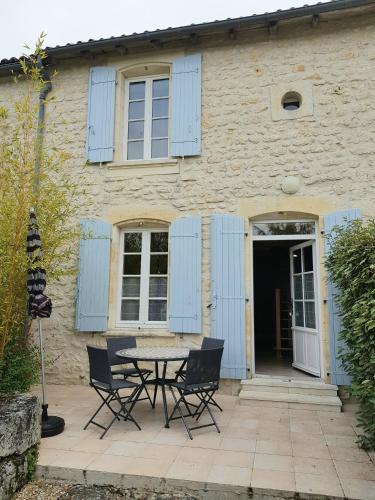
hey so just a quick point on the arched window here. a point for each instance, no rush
(147, 112)
(143, 287)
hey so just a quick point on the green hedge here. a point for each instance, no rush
(351, 266)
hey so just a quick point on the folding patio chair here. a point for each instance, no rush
(207, 343)
(115, 344)
(202, 380)
(108, 389)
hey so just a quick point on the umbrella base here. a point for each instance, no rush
(51, 425)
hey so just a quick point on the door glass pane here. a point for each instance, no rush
(158, 287)
(298, 313)
(130, 310)
(279, 228)
(132, 264)
(307, 259)
(298, 287)
(132, 242)
(158, 264)
(296, 255)
(136, 110)
(131, 287)
(137, 90)
(159, 148)
(135, 150)
(159, 108)
(308, 281)
(135, 130)
(160, 88)
(160, 127)
(157, 310)
(310, 314)
(159, 242)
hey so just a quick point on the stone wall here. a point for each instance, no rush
(20, 431)
(247, 150)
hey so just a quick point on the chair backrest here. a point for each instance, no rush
(115, 344)
(100, 369)
(211, 343)
(203, 366)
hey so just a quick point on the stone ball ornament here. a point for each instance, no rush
(290, 184)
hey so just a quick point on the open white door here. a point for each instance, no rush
(305, 321)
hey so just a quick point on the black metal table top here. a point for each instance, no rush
(155, 353)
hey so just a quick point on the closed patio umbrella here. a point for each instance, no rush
(40, 306)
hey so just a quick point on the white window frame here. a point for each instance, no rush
(283, 236)
(144, 278)
(147, 116)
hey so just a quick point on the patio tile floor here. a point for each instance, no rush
(269, 448)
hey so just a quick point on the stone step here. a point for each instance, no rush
(290, 400)
(279, 385)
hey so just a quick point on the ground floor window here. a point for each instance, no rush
(144, 276)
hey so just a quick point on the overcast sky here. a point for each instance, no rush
(72, 20)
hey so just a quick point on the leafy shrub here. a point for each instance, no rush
(19, 367)
(351, 265)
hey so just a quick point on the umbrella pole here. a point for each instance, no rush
(51, 425)
(41, 349)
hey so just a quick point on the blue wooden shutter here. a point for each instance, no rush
(228, 292)
(338, 375)
(186, 106)
(185, 302)
(93, 278)
(101, 114)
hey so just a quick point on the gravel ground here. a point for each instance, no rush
(56, 490)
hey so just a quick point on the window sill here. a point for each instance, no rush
(140, 331)
(145, 167)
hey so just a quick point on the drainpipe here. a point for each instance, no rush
(47, 87)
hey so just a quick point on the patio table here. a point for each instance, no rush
(157, 355)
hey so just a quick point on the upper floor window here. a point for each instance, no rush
(147, 118)
(144, 276)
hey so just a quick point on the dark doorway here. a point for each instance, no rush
(272, 309)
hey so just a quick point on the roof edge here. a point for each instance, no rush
(72, 50)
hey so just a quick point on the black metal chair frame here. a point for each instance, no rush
(201, 380)
(115, 344)
(107, 388)
(207, 343)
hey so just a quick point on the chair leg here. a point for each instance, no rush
(106, 401)
(207, 405)
(126, 413)
(177, 406)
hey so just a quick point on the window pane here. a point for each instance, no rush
(310, 314)
(308, 280)
(307, 259)
(136, 110)
(160, 127)
(132, 264)
(131, 287)
(298, 287)
(133, 242)
(135, 150)
(130, 310)
(158, 264)
(158, 287)
(159, 242)
(297, 261)
(277, 228)
(159, 107)
(135, 130)
(159, 148)
(160, 88)
(298, 313)
(137, 90)
(157, 310)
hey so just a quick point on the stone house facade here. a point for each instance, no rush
(213, 159)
